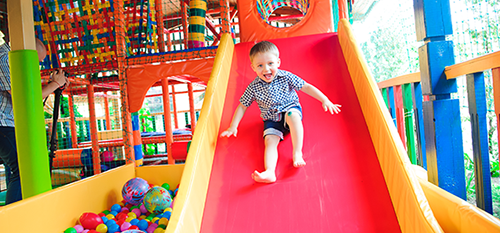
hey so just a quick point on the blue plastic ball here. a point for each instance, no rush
(113, 228)
(143, 224)
(134, 221)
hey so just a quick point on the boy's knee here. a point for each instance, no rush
(271, 139)
(293, 115)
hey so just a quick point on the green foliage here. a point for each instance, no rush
(146, 125)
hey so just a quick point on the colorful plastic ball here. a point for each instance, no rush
(159, 230)
(70, 230)
(157, 199)
(86, 231)
(137, 212)
(104, 219)
(113, 228)
(166, 186)
(167, 215)
(133, 231)
(134, 221)
(133, 227)
(110, 222)
(102, 228)
(78, 228)
(143, 208)
(143, 224)
(125, 226)
(107, 156)
(117, 208)
(163, 221)
(133, 191)
(90, 220)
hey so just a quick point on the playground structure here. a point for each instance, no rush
(215, 184)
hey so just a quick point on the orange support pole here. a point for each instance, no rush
(495, 76)
(159, 26)
(93, 130)
(72, 121)
(106, 110)
(184, 14)
(343, 10)
(121, 54)
(191, 106)
(176, 120)
(169, 138)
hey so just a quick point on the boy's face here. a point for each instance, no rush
(266, 65)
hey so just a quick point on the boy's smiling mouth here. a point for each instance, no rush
(268, 77)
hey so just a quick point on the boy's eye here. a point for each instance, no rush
(271, 63)
(259, 66)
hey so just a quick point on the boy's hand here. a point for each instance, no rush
(331, 107)
(229, 132)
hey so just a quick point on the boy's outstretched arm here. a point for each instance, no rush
(317, 94)
(233, 128)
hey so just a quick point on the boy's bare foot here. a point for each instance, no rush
(264, 177)
(298, 161)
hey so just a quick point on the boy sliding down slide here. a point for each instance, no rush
(274, 91)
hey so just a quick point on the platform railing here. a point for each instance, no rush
(403, 97)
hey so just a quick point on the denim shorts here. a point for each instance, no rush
(280, 128)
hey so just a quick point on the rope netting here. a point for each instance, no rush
(82, 38)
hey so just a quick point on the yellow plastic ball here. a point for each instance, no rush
(102, 228)
(167, 209)
(159, 230)
(110, 216)
(132, 215)
(163, 221)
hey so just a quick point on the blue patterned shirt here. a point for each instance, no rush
(6, 112)
(275, 97)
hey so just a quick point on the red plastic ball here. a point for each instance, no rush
(133, 227)
(90, 220)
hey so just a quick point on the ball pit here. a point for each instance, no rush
(148, 216)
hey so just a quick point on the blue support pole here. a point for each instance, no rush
(443, 135)
(477, 108)
(392, 108)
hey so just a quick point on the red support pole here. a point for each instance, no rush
(169, 138)
(191, 106)
(495, 76)
(176, 120)
(400, 118)
(106, 110)
(93, 130)
(72, 121)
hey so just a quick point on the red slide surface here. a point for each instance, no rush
(341, 189)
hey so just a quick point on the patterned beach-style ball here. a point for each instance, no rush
(133, 191)
(157, 199)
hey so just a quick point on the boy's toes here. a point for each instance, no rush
(299, 162)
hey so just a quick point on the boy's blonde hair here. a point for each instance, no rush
(264, 47)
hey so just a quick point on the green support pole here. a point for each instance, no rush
(29, 122)
(408, 115)
(384, 94)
